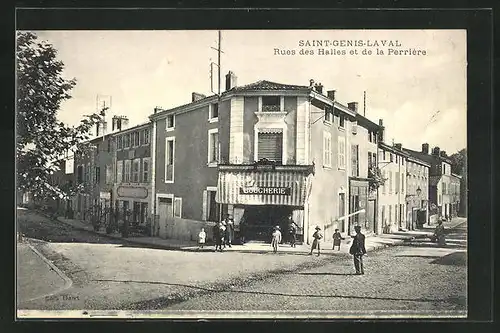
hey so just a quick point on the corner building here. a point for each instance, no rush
(259, 152)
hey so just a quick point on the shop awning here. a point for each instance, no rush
(244, 186)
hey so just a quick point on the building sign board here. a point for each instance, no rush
(265, 190)
(132, 192)
(105, 195)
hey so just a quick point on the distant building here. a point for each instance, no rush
(444, 187)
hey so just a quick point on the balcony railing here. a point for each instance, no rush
(271, 108)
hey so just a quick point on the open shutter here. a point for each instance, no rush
(204, 213)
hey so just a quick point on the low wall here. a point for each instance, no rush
(184, 229)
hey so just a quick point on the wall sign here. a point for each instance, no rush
(265, 190)
(132, 192)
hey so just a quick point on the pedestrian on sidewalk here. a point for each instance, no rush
(439, 234)
(317, 236)
(229, 230)
(218, 237)
(358, 250)
(276, 238)
(292, 231)
(337, 238)
(202, 236)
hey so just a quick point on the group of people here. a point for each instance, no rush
(223, 234)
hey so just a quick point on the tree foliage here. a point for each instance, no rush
(459, 162)
(375, 178)
(41, 139)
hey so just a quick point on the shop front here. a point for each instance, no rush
(260, 197)
(361, 201)
(132, 202)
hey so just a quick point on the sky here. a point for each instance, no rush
(421, 98)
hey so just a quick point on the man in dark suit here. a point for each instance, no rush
(358, 250)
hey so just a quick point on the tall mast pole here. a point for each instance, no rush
(218, 61)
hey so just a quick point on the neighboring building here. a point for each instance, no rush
(131, 184)
(261, 152)
(444, 187)
(392, 161)
(417, 191)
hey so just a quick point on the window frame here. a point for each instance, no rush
(171, 128)
(341, 154)
(177, 199)
(145, 160)
(135, 174)
(327, 149)
(146, 138)
(210, 162)
(211, 108)
(127, 174)
(167, 140)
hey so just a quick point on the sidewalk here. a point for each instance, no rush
(373, 242)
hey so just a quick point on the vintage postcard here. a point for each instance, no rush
(241, 174)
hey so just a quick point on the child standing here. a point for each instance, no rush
(317, 236)
(337, 239)
(276, 238)
(202, 236)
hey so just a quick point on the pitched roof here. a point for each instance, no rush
(429, 158)
(268, 85)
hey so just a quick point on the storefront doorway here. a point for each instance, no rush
(258, 221)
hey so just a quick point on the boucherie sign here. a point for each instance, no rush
(265, 190)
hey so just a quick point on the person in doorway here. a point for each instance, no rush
(202, 236)
(292, 231)
(358, 250)
(337, 239)
(317, 236)
(229, 230)
(276, 238)
(439, 234)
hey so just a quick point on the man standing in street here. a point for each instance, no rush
(358, 250)
(292, 231)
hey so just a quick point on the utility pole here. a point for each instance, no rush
(364, 103)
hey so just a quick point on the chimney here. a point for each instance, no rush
(443, 153)
(119, 123)
(230, 80)
(197, 96)
(398, 146)
(436, 151)
(425, 148)
(381, 133)
(311, 83)
(319, 88)
(353, 106)
(331, 94)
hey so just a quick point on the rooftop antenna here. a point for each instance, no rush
(219, 51)
(102, 108)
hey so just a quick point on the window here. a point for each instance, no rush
(329, 114)
(119, 171)
(169, 159)
(341, 157)
(444, 188)
(327, 149)
(79, 173)
(444, 169)
(178, 207)
(384, 187)
(135, 170)
(213, 147)
(144, 212)
(402, 161)
(97, 175)
(109, 174)
(341, 121)
(390, 182)
(370, 162)
(119, 142)
(126, 141)
(402, 183)
(271, 104)
(109, 145)
(354, 127)
(270, 145)
(213, 112)
(212, 206)
(137, 139)
(355, 160)
(126, 172)
(170, 122)
(396, 181)
(384, 156)
(145, 170)
(146, 137)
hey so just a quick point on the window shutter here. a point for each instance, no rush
(204, 213)
(270, 146)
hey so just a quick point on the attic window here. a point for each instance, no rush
(271, 103)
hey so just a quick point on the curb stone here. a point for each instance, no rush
(67, 281)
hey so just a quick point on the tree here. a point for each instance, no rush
(41, 140)
(375, 178)
(459, 162)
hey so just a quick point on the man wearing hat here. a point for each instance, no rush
(358, 250)
(316, 237)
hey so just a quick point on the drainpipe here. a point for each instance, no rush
(153, 178)
(309, 160)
